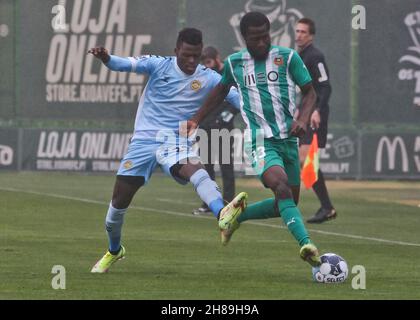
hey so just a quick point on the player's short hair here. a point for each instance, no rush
(310, 23)
(191, 36)
(253, 19)
(209, 53)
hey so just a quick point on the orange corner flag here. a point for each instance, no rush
(309, 174)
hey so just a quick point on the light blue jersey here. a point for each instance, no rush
(170, 96)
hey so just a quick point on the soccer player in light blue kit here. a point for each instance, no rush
(176, 88)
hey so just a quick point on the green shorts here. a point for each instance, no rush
(278, 152)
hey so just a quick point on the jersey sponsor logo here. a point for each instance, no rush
(260, 78)
(196, 85)
(273, 76)
(249, 80)
(282, 19)
(278, 61)
(411, 60)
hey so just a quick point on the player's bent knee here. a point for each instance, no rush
(125, 189)
(282, 191)
(120, 203)
(135, 181)
(185, 171)
(274, 182)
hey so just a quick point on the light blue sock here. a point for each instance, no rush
(113, 224)
(208, 191)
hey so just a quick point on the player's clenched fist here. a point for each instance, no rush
(100, 53)
(298, 129)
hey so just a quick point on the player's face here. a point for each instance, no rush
(302, 35)
(258, 42)
(188, 57)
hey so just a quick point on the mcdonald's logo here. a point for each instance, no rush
(391, 147)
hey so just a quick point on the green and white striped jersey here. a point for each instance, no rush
(267, 88)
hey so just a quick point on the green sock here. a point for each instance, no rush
(260, 210)
(289, 212)
(293, 220)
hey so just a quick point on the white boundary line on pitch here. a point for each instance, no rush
(59, 196)
(195, 203)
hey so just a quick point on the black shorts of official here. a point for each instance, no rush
(321, 132)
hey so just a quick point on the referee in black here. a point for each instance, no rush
(315, 62)
(221, 117)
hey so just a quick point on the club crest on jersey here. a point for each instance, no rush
(128, 164)
(196, 85)
(278, 61)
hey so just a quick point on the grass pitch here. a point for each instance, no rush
(49, 219)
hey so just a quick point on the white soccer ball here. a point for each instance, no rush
(333, 269)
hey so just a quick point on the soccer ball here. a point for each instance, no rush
(333, 269)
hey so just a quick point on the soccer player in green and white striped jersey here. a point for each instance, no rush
(266, 77)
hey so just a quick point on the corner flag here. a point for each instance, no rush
(309, 174)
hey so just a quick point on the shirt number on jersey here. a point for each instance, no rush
(323, 73)
(258, 154)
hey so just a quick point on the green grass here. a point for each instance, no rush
(174, 255)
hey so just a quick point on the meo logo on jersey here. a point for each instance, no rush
(196, 85)
(261, 78)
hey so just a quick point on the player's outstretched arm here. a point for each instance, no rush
(300, 125)
(112, 62)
